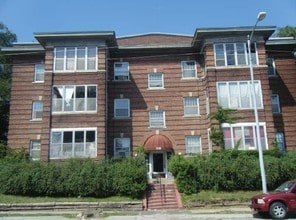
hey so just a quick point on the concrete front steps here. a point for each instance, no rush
(162, 194)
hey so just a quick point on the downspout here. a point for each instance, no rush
(106, 100)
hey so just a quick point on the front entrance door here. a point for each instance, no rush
(158, 163)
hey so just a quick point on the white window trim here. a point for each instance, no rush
(163, 116)
(74, 100)
(156, 88)
(195, 70)
(72, 130)
(197, 107)
(34, 111)
(247, 124)
(34, 150)
(128, 108)
(250, 98)
(256, 63)
(35, 73)
(127, 150)
(199, 144)
(272, 61)
(75, 61)
(127, 74)
(278, 106)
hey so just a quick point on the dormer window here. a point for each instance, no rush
(121, 71)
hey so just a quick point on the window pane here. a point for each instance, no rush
(245, 95)
(121, 108)
(157, 119)
(90, 136)
(223, 95)
(234, 95)
(188, 69)
(56, 137)
(190, 106)
(68, 99)
(37, 110)
(230, 54)
(79, 136)
(121, 71)
(155, 80)
(59, 58)
(241, 55)
(192, 144)
(39, 72)
(91, 59)
(227, 138)
(68, 137)
(70, 58)
(81, 58)
(219, 53)
(122, 147)
(91, 92)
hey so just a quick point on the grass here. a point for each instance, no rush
(211, 197)
(7, 199)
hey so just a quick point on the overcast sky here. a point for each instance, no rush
(129, 17)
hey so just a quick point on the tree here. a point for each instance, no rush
(6, 40)
(286, 31)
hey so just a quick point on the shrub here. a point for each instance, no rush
(74, 177)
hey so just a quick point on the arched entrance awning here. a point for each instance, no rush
(158, 142)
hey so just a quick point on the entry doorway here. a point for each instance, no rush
(158, 164)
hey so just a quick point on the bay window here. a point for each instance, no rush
(234, 54)
(75, 58)
(79, 98)
(72, 143)
(242, 136)
(238, 94)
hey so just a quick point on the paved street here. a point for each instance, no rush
(202, 214)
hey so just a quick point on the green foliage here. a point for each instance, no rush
(287, 31)
(6, 39)
(222, 115)
(75, 177)
(231, 170)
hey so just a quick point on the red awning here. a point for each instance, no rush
(158, 142)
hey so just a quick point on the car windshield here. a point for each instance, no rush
(285, 186)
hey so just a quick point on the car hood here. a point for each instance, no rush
(268, 195)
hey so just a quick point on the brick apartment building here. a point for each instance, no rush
(90, 94)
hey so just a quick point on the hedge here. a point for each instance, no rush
(230, 170)
(75, 177)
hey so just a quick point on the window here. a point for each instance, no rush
(188, 69)
(75, 58)
(242, 136)
(233, 54)
(37, 110)
(193, 144)
(121, 108)
(74, 98)
(280, 141)
(238, 94)
(271, 67)
(275, 103)
(39, 73)
(191, 106)
(69, 143)
(121, 71)
(122, 147)
(35, 149)
(155, 81)
(157, 119)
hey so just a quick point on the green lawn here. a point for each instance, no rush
(202, 197)
(211, 197)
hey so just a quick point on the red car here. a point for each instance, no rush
(277, 203)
